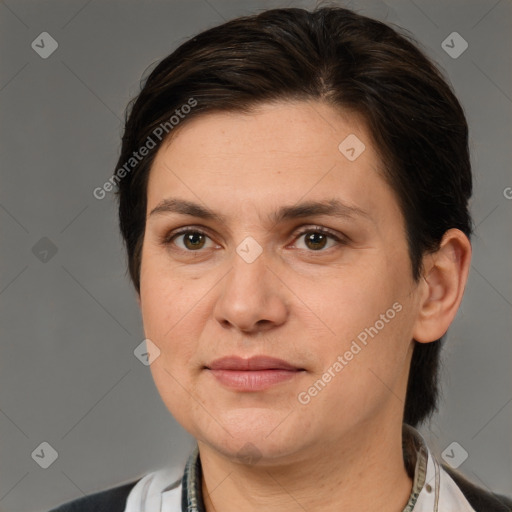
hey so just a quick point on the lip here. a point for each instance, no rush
(251, 364)
(256, 373)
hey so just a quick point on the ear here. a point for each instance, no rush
(138, 298)
(445, 273)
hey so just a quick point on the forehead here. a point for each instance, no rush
(281, 129)
(279, 154)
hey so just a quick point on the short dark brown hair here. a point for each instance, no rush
(348, 61)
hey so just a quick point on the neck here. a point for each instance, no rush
(363, 472)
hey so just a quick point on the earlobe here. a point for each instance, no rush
(444, 280)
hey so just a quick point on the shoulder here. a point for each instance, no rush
(480, 499)
(110, 500)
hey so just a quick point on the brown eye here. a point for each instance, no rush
(188, 240)
(194, 240)
(315, 241)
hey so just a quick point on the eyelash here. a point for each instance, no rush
(168, 239)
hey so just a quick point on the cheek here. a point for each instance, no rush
(165, 306)
(369, 319)
(363, 369)
(164, 299)
(353, 302)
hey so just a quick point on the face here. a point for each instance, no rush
(284, 314)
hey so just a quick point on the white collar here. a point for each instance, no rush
(433, 490)
(439, 492)
(157, 492)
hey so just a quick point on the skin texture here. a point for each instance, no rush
(302, 300)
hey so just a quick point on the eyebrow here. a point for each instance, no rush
(330, 207)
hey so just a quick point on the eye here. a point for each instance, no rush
(191, 240)
(317, 238)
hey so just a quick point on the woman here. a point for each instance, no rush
(293, 194)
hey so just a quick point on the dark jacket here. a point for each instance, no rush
(111, 500)
(114, 500)
(479, 499)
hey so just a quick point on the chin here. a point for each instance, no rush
(251, 450)
(253, 435)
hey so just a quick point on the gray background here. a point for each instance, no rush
(70, 322)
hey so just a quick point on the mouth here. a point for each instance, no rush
(253, 374)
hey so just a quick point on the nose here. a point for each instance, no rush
(252, 298)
